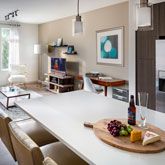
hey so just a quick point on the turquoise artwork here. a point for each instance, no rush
(109, 47)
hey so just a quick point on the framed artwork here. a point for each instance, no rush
(110, 46)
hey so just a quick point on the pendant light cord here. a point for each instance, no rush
(78, 7)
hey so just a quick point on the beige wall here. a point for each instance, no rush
(85, 45)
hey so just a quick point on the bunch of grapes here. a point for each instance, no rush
(114, 127)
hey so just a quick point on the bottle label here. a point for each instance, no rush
(131, 116)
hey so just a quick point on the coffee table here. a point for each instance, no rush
(12, 92)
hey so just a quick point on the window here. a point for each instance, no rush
(5, 32)
(9, 47)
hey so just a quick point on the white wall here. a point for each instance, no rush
(28, 37)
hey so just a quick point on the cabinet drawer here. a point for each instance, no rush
(121, 92)
(118, 97)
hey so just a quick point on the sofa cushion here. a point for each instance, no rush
(17, 79)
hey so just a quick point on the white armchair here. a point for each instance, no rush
(18, 74)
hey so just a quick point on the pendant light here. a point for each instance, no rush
(78, 24)
(144, 14)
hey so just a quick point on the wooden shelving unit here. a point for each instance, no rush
(60, 84)
(52, 48)
(71, 53)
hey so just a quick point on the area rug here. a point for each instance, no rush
(16, 113)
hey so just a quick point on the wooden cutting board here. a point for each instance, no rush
(100, 130)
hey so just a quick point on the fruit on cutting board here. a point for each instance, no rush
(117, 128)
(114, 127)
(129, 129)
(136, 135)
(150, 137)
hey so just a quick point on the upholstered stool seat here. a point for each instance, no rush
(29, 153)
(61, 154)
(31, 127)
(49, 161)
(39, 135)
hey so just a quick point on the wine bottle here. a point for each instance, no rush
(132, 112)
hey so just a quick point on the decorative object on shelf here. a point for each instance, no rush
(144, 15)
(12, 14)
(110, 46)
(78, 24)
(59, 42)
(70, 50)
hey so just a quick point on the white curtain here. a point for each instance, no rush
(14, 46)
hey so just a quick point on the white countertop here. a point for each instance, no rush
(64, 114)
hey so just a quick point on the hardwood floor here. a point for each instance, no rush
(5, 157)
(37, 88)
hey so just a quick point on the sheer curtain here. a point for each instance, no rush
(14, 46)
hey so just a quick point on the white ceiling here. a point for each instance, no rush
(40, 11)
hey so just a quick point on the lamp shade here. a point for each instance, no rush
(78, 25)
(37, 49)
(144, 16)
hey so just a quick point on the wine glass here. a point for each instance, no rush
(143, 103)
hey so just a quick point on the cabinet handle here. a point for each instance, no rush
(120, 90)
(120, 97)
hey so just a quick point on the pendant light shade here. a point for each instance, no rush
(78, 24)
(144, 14)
